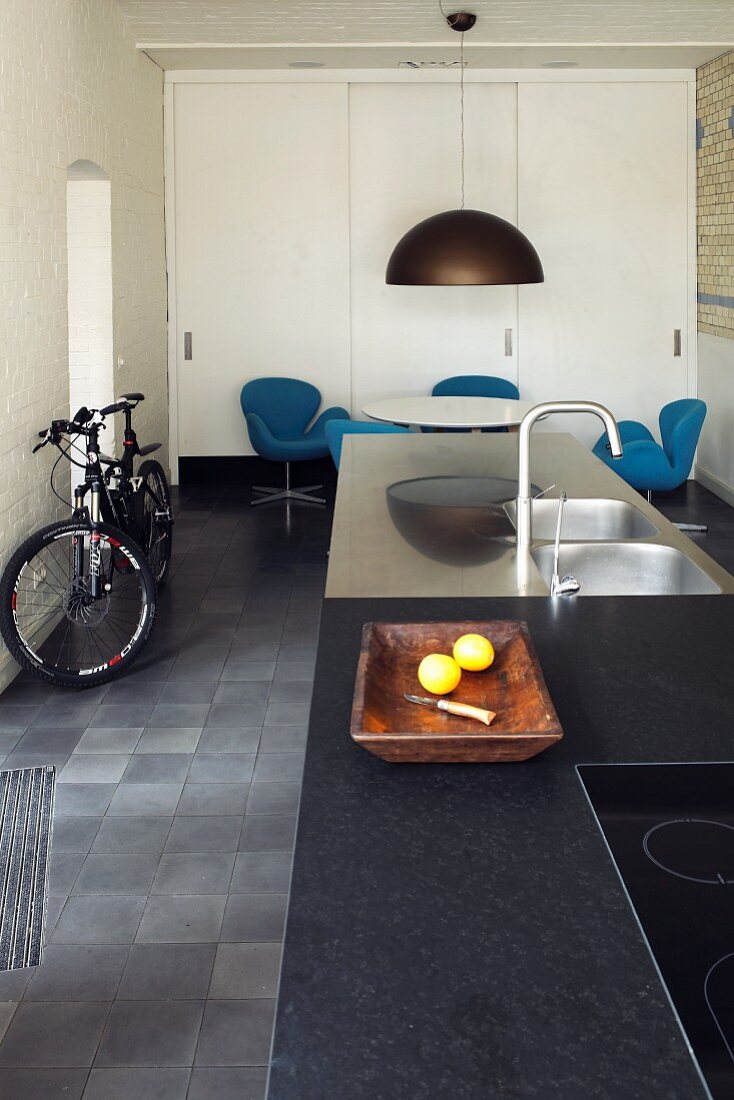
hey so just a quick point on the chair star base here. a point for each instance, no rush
(271, 494)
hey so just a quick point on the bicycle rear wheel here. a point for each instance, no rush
(155, 519)
(49, 620)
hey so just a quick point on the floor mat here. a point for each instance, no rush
(26, 810)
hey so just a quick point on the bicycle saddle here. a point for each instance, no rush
(133, 397)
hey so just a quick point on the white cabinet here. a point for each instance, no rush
(602, 194)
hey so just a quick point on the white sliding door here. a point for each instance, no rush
(404, 166)
(262, 260)
(603, 196)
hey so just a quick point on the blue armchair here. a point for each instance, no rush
(476, 385)
(277, 412)
(648, 466)
(337, 429)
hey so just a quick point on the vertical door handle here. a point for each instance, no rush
(508, 341)
(676, 341)
(187, 345)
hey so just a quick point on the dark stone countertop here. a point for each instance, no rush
(459, 931)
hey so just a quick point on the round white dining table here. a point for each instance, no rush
(472, 413)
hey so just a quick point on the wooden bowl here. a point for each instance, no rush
(386, 724)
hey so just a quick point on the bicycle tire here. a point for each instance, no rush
(156, 535)
(126, 559)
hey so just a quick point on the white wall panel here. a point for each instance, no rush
(603, 196)
(262, 260)
(404, 166)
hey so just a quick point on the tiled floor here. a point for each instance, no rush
(175, 816)
(176, 805)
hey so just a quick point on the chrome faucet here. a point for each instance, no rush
(568, 585)
(524, 503)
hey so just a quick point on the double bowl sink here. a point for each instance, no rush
(601, 548)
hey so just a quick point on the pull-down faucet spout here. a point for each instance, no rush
(524, 504)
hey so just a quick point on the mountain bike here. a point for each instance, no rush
(78, 598)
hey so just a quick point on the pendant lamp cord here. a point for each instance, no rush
(462, 120)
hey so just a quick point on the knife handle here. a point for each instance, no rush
(463, 710)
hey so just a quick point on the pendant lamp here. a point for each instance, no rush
(463, 247)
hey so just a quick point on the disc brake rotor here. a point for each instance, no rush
(80, 608)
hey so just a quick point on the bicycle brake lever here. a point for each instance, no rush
(44, 440)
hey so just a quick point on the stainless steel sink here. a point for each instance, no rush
(626, 569)
(588, 520)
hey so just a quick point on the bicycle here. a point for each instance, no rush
(78, 598)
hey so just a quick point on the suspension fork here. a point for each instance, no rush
(95, 554)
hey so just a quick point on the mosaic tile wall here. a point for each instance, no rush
(715, 158)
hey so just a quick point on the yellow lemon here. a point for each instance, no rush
(439, 673)
(473, 652)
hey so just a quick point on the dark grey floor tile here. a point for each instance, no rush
(83, 799)
(63, 869)
(142, 1084)
(204, 834)
(57, 741)
(199, 663)
(242, 670)
(145, 799)
(131, 691)
(224, 739)
(93, 768)
(19, 759)
(13, 983)
(42, 1084)
(289, 691)
(244, 693)
(132, 835)
(236, 714)
(273, 798)
(117, 739)
(288, 714)
(63, 696)
(287, 671)
(99, 919)
(53, 1035)
(179, 919)
(243, 970)
(254, 917)
(235, 1033)
(213, 799)
(194, 873)
(167, 767)
(78, 973)
(261, 873)
(18, 717)
(236, 1083)
(225, 767)
(74, 834)
(167, 972)
(9, 738)
(284, 767)
(284, 738)
(66, 710)
(178, 715)
(197, 691)
(240, 660)
(150, 1033)
(168, 739)
(268, 833)
(22, 693)
(116, 874)
(121, 714)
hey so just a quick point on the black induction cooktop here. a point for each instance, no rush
(670, 830)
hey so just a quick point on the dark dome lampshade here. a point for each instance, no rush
(463, 248)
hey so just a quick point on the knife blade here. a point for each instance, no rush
(461, 710)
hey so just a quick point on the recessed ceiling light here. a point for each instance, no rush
(305, 64)
(560, 64)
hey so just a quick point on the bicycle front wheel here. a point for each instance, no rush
(49, 618)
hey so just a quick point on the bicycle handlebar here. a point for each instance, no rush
(76, 426)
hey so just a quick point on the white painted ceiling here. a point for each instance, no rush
(703, 27)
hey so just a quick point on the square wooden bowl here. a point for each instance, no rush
(386, 724)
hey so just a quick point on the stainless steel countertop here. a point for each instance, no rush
(370, 557)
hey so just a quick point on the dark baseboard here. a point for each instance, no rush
(252, 470)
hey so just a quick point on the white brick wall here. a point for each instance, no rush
(72, 87)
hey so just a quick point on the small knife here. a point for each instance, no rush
(462, 710)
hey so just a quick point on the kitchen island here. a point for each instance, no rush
(460, 931)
